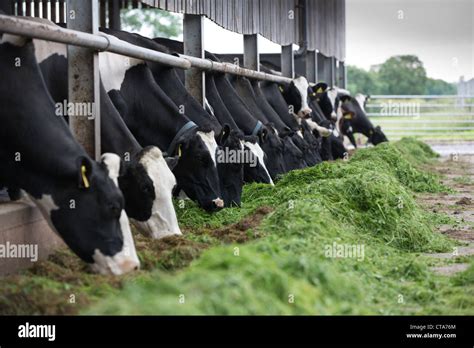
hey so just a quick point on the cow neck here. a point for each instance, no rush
(239, 111)
(36, 120)
(279, 104)
(186, 129)
(220, 110)
(169, 81)
(116, 137)
(270, 113)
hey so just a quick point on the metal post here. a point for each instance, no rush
(83, 77)
(321, 68)
(251, 55)
(194, 46)
(287, 61)
(342, 75)
(332, 69)
(311, 66)
(114, 14)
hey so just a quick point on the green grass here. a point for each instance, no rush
(286, 266)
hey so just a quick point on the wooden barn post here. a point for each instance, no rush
(83, 77)
(194, 46)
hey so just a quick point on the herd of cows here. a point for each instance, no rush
(158, 142)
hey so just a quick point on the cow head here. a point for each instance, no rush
(86, 210)
(272, 145)
(293, 156)
(327, 98)
(377, 136)
(147, 187)
(230, 168)
(196, 171)
(255, 169)
(296, 96)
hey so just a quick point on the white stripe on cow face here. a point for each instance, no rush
(258, 152)
(210, 142)
(113, 68)
(360, 98)
(127, 259)
(332, 95)
(302, 85)
(163, 221)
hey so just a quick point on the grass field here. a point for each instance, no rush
(278, 253)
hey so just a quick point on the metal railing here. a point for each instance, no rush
(100, 42)
(427, 116)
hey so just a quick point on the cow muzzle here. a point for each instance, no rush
(304, 113)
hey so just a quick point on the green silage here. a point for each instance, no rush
(366, 202)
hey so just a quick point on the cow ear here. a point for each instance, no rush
(320, 87)
(225, 132)
(345, 98)
(84, 172)
(172, 162)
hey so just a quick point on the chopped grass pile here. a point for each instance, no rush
(340, 238)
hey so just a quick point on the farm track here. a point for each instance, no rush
(458, 174)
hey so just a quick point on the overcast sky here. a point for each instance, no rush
(439, 32)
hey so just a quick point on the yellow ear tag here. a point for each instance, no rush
(348, 116)
(84, 177)
(320, 90)
(281, 88)
(179, 151)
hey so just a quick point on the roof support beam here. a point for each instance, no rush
(251, 54)
(194, 46)
(287, 61)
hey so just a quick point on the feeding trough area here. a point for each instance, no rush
(151, 176)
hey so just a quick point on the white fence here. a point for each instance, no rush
(425, 116)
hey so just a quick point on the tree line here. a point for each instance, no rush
(403, 75)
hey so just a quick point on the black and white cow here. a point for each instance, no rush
(271, 144)
(293, 156)
(346, 111)
(154, 119)
(168, 78)
(145, 179)
(354, 120)
(254, 171)
(78, 196)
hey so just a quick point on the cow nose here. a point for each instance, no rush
(306, 112)
(219, 203)
(129, 265)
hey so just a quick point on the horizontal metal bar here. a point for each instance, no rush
(433, 114)
(428, 128)
(45, 31)
(207, 64)
(425, 121)
(421, 96)
(456, 106)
